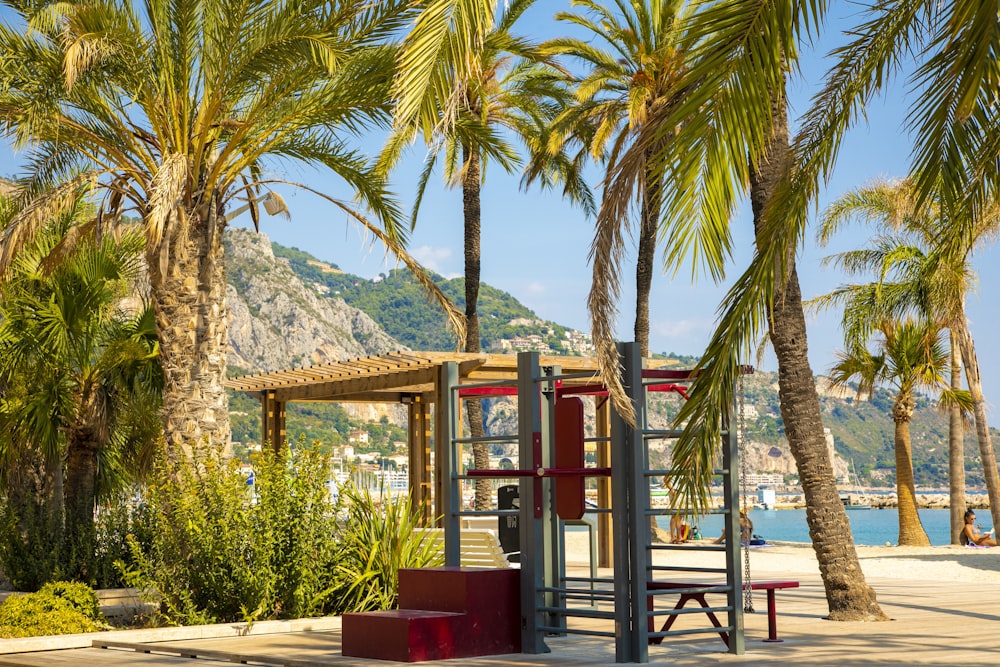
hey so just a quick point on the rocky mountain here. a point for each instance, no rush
(289, 309)
(278, 321)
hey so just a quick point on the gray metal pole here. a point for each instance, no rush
(731, 497)
(555, 561)
(449, 463)
(638, 492)
(530, 448)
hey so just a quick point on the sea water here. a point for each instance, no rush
(873, 527)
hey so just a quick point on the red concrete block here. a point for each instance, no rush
(490, 598)
(404, 635)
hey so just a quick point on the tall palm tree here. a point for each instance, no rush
(176, 109)
(622, 87)
(87, 374)
(922, 258)
(470, 87)
(735, 110)
(618, 93)
(908, 356)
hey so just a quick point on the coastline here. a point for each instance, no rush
(875, 499)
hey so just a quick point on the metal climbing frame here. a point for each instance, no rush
(547, 594)
(642, 567)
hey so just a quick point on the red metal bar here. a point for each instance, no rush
(680, 389)
(539, 472)
(582, 390)
(472, 392)
(772, 618)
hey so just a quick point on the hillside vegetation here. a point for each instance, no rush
(862, 429)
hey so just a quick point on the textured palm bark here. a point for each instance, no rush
(80, 497)
(956, 450)
(646, 258)
(189, 299)
(644, 264)
(986, 454)
(849, 598)
(911, 531)
(473, 254)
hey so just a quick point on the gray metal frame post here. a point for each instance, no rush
(529, 433)
(638, 492)
(620, 541)
(555, 563)
(448, 461)
(731, 497)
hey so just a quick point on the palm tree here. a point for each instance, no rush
(922, 258)
(618, 94)
(908, 356)
(469, 85)
(735, 110)
(87, 376)
(174, 111)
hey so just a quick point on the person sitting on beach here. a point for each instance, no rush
(746, 530)
(678, 529)
(970, 536)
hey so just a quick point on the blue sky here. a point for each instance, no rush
(535, 246)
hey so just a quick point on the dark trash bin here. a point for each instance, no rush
(509, 526)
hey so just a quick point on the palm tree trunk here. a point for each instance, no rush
(849, 598)
(971, 363)
(911, 531)
(189, 299)
(646, 258)
(80, 497)
(471, 184)
(645, 261)
(956, 449)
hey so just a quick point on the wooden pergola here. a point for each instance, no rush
(408, 378)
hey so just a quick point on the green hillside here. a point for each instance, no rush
(863, 431)
(397, 302)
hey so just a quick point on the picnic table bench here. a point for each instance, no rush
(697, 591)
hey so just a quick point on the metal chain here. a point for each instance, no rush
(741, 432)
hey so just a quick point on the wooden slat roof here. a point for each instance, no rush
(387, 377)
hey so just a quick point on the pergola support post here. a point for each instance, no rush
(419, 449)
(272, 421)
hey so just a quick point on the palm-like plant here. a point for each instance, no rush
(908, 356)
(623, 88)
(922, 261)
(84, 375)
(470, 87)
(173, 110)
(735, 132)
(954, 47)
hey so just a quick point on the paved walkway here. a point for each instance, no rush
(935, 623)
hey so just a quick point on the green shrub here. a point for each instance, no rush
(58, 608)
(31, 534)
(224, 551)
(118, 520)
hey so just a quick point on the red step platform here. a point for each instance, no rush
(446, 612)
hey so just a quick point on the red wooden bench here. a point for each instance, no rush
(692, 592)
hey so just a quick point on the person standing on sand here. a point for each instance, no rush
(970, 536)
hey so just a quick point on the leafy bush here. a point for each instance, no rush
(224, 551)
(118, 520)
(58, 608)
(31, 533)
